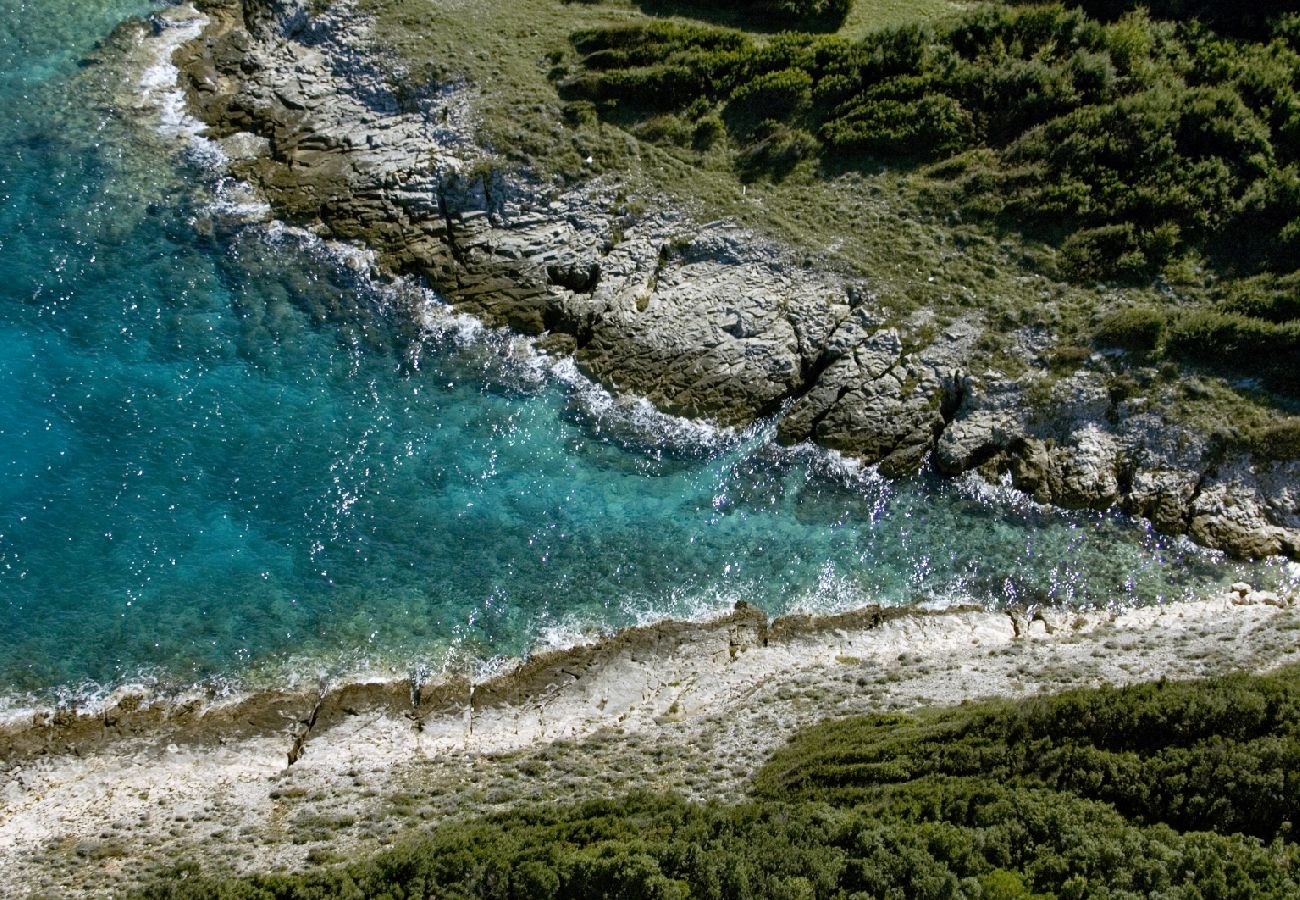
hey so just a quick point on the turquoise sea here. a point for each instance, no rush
(224, 463)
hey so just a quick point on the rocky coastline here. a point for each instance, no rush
(704, 319)
(94, 803)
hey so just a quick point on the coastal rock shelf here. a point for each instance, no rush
(703, 319)
(285, 779)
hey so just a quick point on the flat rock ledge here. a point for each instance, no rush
(704, 319)
(91, 803)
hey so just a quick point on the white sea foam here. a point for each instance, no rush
(833, 593)
(16, 711)
(88, 698)
(564, 635)
(633, 419)
(637, 412)
(237, 201)
(158, 84)
(1003, 494)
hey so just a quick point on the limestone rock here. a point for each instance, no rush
(1082, 474)
(1247, 512)
(704, 328)
(989, 420)
(704, 320)
(878, 403)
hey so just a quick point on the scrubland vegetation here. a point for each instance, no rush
(1141, 148)
(1154, 151)
(1129, 141)
(1089, 169)
(1166, 789)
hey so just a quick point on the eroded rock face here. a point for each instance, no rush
(704, 337)
(877, 401)
(1253, 509)
(705, 320)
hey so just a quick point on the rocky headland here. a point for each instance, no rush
(705, 319)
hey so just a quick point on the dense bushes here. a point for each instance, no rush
(1252, 328)
(807, 14)
(803, 15)
(1221, 757)
(1130, 140)
(1252, 19)
(1278, 441)
(1137, 328)
(1114, 793)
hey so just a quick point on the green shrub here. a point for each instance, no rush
(1211, 336)
(666, 129)
(1137, 328)
(1265, 297)
(817, 15)
(708, 131)
(929, 127)
(779, 96)
(1280, 441)
(777, 152)
(1101, 253)
(1130, 139)
(1134, 792)
(1248, 20)
(1214, 756)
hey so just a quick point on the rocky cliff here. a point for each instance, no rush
(702, 318)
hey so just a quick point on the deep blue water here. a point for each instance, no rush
(221, 458)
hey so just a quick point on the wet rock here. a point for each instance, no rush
(578, 277)
(876, 402)
(989, 420)
(1085, 473)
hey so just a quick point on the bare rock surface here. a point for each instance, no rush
(703, 319)
(90, 803)
(1238, 504)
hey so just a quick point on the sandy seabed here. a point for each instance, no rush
(90, 804)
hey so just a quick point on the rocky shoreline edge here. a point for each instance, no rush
(93, 803)
(705, 320)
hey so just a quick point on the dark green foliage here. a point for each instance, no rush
(1273, 299)
(1253, 329)
(1128, 139)
(1275, 442)
(776, 152)
(1253, 19)
(1232, 340)
(801, 15)
(1137, 328)
(1135, 792)
(923, 127)
(1222, 757)
(1104, 252)
(806, 14)
(778, 96)
(708, 131)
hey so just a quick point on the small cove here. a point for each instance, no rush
(225, 457)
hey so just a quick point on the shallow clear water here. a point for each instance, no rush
(221, 458)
